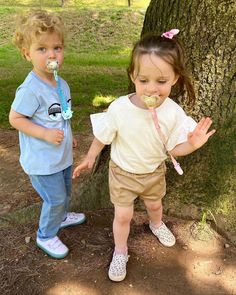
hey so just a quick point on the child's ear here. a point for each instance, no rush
(132, 77)
(175, 80)
(26, 54)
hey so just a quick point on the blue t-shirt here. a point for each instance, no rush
(40, 103)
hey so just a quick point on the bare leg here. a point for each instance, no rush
(154, 210)
(156, 225)
(121, 227)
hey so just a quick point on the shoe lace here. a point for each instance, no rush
(71, 216)
(55, 243)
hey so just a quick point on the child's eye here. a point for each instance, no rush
(42, 49)
(142, 81)
(58, 48)
(161, 81)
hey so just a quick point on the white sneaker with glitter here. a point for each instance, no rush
(117, 269)
(73, 219)
(163, 234)
(53, 247)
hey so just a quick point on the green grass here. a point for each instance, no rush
(76, 3)
(100, 35)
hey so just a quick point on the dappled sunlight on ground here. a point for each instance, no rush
(72, 288)
(199, 263)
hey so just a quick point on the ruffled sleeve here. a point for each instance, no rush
(104, 126)
(180, 133)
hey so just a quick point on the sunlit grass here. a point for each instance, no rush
(100, 100)
(77, 3)
(110, 3)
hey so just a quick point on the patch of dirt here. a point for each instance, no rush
(197, 265)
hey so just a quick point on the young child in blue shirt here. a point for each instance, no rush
(45, 134)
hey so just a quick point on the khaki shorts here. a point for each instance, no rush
(125, 187)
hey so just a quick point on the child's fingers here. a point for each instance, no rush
(200, 123)
(206, 124)
(209, 134)
(76, 173)
(75, 143)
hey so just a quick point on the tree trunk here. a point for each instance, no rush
(208, 30)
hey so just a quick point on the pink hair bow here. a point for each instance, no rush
(170, 34)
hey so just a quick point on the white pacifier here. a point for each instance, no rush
(151, 101)
(52, 65)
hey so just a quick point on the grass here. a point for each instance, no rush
(103, 4)
(100, 35)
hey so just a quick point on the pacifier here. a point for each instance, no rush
(151, 101)
(52, 65)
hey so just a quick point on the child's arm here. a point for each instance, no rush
(23, 124)
(90, 158)
(196, 139)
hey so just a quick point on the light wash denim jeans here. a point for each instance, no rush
(55, 191)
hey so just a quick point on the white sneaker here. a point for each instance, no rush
(53, 247)
(117, 269)
(163, 234)
(73, 219)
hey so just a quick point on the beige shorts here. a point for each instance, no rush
(125, 187)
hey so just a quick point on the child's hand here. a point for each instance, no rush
(75, 143)
(86, 164)
(199, 136)
(54, 136)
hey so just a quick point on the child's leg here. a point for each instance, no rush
(54, 193)
(121, 227)
(157, 226)
(68, 185)
(70, 218)
(154, 210)
(52, 190)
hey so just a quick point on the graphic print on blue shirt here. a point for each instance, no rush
(55, 109)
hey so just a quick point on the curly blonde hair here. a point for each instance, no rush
(35, 23)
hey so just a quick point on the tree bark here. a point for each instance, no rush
(208, 29)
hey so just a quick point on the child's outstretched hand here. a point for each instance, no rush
(87, 163)
(199, 136)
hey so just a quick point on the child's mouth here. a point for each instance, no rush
(151, 101)
(52, 65)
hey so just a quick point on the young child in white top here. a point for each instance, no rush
(45, 135)
(139, 144)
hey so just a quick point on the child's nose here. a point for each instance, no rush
(152, 88)
(52, 53)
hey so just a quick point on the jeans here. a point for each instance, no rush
(55, 191)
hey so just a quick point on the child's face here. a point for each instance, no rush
(155, 77)
(46, 47)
